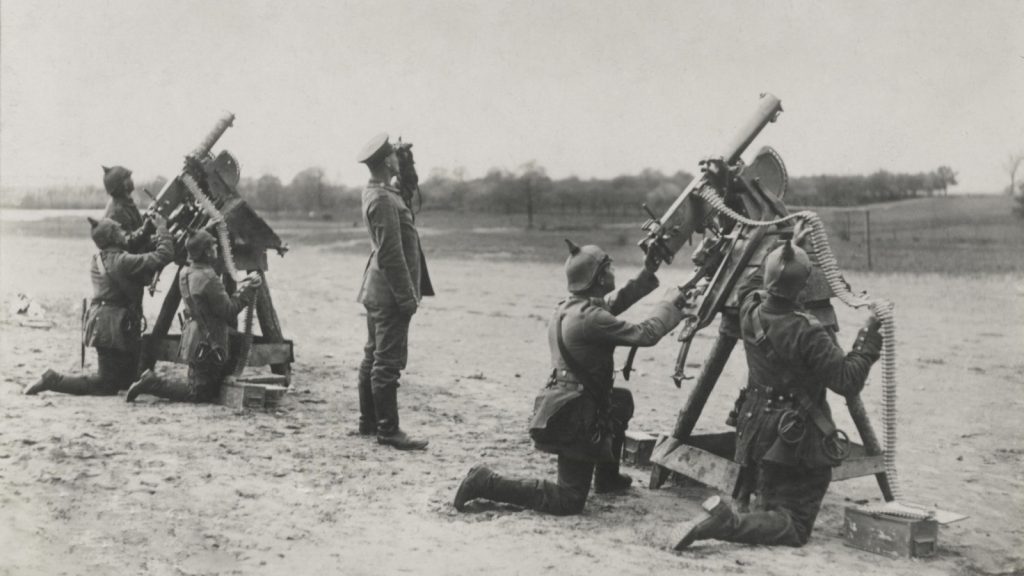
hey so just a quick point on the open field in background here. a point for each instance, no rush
(96, 486)
(960, 235)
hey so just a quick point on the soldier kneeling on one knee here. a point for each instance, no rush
(579, 416)
(205, 340)
(114, 322)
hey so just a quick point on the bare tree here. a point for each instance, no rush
(1011, 165)
(945, 177)
(534, 181)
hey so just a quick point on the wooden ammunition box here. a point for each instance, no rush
(891, 536)
(637, 449)
(244, 395)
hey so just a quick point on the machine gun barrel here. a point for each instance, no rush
(669, 233)
(204, 147)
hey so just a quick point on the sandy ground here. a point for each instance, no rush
(96, 486)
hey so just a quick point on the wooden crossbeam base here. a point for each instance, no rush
(708, 460)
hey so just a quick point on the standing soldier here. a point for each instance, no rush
(785, 431)
(122, 209)
(579, 415)
(114, 323)
(393, 284)
(205, 340)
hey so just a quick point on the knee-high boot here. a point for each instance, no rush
(385, 404)
(150, 383)
(76, 385)
(719, 522)
(367, 414)
(606, 475)
(482, 482)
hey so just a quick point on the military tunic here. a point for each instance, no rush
(210, 312)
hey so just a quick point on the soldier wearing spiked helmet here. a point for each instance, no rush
(114, 319)
(579, 415)
(785, 435)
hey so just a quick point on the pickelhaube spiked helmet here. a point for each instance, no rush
(104, 232)
(113, 177)
(198, 244)
(584, 265)
(786, 270)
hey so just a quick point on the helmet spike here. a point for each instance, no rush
(573, 249)
(787, 251)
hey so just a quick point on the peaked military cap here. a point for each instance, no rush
(377, 148)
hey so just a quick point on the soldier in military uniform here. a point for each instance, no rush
(114, 322)
(394, 282)
(579, 415)
(785, 431)
(121, 208)
(205, 341)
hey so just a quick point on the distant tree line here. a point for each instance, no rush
(527, 189)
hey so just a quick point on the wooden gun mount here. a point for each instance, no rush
(668, 234)
(205, 196)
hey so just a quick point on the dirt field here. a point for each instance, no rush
(96, 486)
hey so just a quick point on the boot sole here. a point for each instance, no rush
(404, 447)
(684, 533)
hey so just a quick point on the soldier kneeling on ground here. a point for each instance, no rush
(579, 415)
(205, 340)
(791, 360)
(114, 322)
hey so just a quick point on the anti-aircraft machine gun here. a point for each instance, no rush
(205, 196)
(740, 212)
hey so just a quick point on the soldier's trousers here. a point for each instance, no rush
(117, 370)
(384, 357)
(569, 494)
(788, 501)
(203, 385)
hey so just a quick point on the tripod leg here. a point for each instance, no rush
(871, 445)
(163, 323)
(709, 374)
(270, 326)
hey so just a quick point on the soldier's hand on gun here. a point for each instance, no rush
(681, 299)
(651, 260)
(159, 220)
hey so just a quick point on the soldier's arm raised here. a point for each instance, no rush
(843, 373)
(606, 328)
(635, 289)
(133, 264)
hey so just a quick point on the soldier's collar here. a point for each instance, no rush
(779, 304)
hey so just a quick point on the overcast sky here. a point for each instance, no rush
(592, 88)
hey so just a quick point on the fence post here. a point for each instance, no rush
(867, 233)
